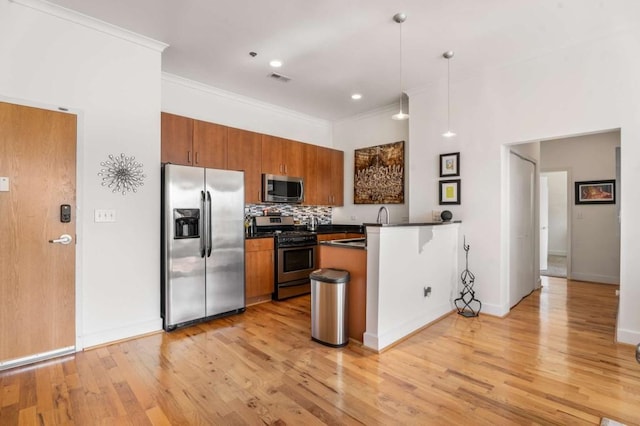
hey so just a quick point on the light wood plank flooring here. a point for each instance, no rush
(551, 361)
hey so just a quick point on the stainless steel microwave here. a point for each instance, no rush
(282, 189)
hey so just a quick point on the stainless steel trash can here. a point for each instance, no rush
(329, 307)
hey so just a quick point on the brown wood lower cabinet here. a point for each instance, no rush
(259, 272)
(354, 261)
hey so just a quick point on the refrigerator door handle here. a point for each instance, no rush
(209, 230)
(202, 234)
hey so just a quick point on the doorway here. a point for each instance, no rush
(554, 236)
(38, 228)
(522, 275)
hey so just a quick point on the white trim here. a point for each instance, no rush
(128, 331)
(79, 217)
(202, 87)
(391, 109)
(595, 278)
(631, 337)
(557, 253)
(92, 23)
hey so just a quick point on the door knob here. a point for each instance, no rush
(64, 239)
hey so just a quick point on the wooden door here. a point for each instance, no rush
(244, 152)
(209, 145)
(37, 278)
(177, 140)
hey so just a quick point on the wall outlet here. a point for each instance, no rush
(435, 215)
(427, 291)
(354, 218)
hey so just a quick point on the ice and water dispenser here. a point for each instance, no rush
(186, 223)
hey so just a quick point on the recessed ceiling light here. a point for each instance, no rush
(356, 96)
(276, 63)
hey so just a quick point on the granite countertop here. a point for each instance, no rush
(385, 225)
(322, 229)
(349, 243)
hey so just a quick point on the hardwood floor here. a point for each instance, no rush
(551, 361)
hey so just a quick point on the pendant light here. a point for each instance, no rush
(400, 18)
(448, 134)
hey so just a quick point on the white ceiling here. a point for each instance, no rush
(333, 48)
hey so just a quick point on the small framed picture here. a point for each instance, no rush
(596, 192)
(450, 164)
(450, 191)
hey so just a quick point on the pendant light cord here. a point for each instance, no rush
(448, 95)
(401, 67)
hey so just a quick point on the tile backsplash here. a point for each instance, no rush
(301, 214)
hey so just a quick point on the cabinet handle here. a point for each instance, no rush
(285, 169)
(188, 156)
(197, 157)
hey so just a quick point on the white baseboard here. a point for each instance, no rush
(628, 336)
(595, 278)
(494, 310)
(557, 252)
(114, 334)
(382, 340)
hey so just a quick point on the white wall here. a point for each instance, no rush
(595, 235)
(192, 99)
(371, 129)
(114, 85)
(557, 182)
(401, 262)
(581, 89)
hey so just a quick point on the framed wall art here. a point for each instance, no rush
(449, 191)
(378, 174)
(595, 192)
(450, 164)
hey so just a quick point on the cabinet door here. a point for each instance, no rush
(259, 270)
(272, 155)
(337, 177)
(176, 139)
(323, 170)
(209, 145)
(310, 174)
(244, 152)
(293, 157)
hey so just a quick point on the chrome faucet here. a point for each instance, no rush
(386, 219)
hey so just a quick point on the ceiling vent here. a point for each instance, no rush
(280, 77)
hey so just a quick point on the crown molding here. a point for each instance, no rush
(385, 109)
(196, 85)
(92, 23)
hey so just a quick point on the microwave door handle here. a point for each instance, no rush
(209, 230)
(202, 223)
(302, 191)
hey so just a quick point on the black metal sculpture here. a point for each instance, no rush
(467, 295)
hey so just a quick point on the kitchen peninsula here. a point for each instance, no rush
(412, 276)
(404, 279)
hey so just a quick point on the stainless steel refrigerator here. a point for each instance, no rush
(203, 244)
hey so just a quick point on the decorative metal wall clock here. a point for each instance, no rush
(122, 174)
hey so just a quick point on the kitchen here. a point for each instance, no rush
(118, 88)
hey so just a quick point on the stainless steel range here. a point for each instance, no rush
(295, 255)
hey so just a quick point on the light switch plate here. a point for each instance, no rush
(104, 215)
(4, 184)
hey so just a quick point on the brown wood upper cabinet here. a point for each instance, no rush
(330, 184)
(193, 142)
(176, 139)
(244, 152)
(282, 156)
(209, 145)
